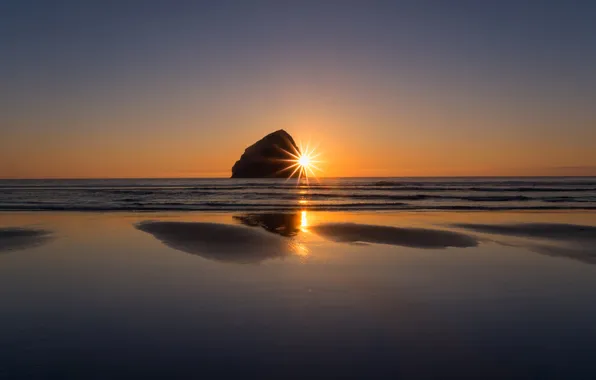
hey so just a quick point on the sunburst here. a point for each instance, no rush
(303, 162)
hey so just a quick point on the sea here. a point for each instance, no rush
(316, 194)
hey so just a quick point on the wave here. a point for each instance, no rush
(419, 197)
(231, 189)
(285, 207)
(588, 181)
(326, 194)
(132, 186)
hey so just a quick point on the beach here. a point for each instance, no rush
(297, 190)
(418, 294)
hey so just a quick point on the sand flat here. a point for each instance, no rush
(302, 294)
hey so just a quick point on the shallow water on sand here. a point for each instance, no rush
(306, 294)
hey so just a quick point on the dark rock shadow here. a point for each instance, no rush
(215, 241)
(555, 239)
(16, 238)
(287, 224)
(407, 237)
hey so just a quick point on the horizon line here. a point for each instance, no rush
(271, 178)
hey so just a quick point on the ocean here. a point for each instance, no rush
(327, 194)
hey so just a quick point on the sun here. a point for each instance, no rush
(303, 162)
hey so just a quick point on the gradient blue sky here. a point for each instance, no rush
(180, 88)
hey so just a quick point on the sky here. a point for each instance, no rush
(384, 88)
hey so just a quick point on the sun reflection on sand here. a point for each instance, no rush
(299, 249)
(303, 221)
(297, 246)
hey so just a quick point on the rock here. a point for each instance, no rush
(267, 158)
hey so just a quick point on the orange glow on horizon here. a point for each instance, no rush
(346, 155)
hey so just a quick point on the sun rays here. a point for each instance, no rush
(303, 162)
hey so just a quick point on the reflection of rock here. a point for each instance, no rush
(214, 241)
(282, 224)
(266, 157)
(409, 237)
(13, 238)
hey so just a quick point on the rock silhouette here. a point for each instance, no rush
(267, 158)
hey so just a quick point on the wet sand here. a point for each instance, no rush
(374, 295)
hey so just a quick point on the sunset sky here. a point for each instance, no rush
(384, 88)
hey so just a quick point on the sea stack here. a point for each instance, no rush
(267, 158)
